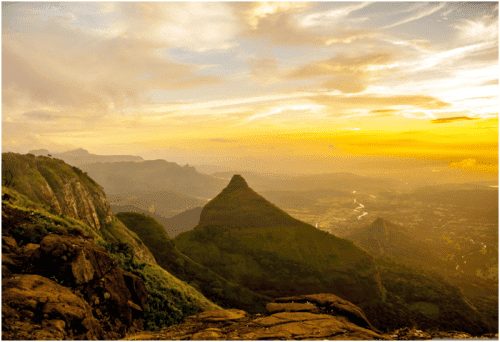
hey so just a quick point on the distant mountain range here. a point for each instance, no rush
(153, 175)
(80, 157)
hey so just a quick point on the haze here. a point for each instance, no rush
(282, 87)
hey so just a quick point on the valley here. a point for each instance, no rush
(424, 256)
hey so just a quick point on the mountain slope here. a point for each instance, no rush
(214, 287)
(246, 239)
(67, 191)
(382, 238)
(81, 157)
(162, 202)
(153, 175)
(32, 216)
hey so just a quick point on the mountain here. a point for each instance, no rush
(216, 288)
(68, 191)
(98, 278)
(80, 157)
(165, 203)
(153, 175)
(340, 181)
(246, 239)
(174, 225)
(40, 152)
(425, 300)
(382, 238)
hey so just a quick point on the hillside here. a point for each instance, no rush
(382, 238)
(165, 203)
(82, 157)
(35, 208)
(153, 175)
(68, 191)
(244, 238)
(89, 293)
(219, 290)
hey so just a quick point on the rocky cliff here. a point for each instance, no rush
(68, 191)
(58, 282)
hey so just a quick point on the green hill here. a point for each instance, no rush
(213, 286)
(246, 239)
(46, 196)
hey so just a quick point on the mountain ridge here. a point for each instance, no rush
(245, 238)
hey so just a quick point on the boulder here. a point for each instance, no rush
(114, 295)
(319, 317)
(332, 304)
(34, 307)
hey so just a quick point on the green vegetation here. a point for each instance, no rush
(29, 214)
(213, 286)
(170, 300)
(423, 300)
(279, 261)
(30, 222)
(246, 239)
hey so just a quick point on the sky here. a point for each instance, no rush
(292, 84)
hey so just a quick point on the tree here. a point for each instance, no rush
(8, 179)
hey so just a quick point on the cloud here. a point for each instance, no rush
(452, 119)
(363, 101)
(383, 111)
(416, 16)
(221, 140)
(198, 26)
(265, 70)
(77, 71)
(490, 82)
(281, 23)
(482, 29)
(41, 115)
(350, 74)
(332, 16)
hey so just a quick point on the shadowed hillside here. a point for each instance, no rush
(244, 238)
(213, 286)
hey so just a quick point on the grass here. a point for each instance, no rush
(214, 287)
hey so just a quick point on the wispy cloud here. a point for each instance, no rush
(350, 74)
(416, 16)
(333, 16)
(452, 119)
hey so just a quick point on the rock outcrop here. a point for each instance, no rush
(322, 316)
(69, 192)
(67, 288)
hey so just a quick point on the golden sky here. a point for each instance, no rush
(253, 80)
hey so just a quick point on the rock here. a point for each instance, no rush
(282, 321)
(137, 289)
(205, 335)
(89, 270)
(31, 250)
(220, 315)
(291, 307)
(9, 245)
(333, 305)
(35, 296)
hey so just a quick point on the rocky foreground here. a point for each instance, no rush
(309, 317)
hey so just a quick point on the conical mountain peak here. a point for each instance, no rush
(237, 182)
(239, 206)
